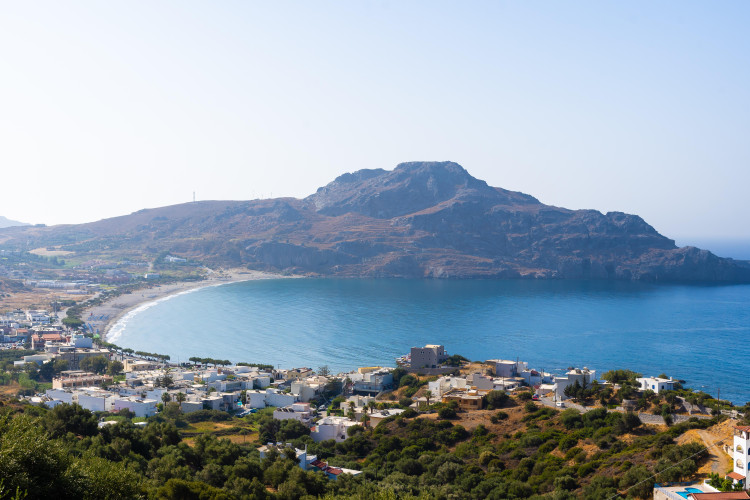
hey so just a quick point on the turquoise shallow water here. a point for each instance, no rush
(696, 333)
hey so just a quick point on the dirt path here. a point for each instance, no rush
(713, 438)
(720, 461)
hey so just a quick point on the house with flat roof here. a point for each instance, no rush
(429, 356)
(331, 428)
(656, 384)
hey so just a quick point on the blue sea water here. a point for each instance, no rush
(696, 333)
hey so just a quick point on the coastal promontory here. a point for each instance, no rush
(420, 220)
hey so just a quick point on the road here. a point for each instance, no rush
(646, 418)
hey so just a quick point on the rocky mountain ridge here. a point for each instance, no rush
(422, 219)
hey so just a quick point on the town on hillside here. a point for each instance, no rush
(52, 365)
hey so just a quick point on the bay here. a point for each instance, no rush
(695, 333)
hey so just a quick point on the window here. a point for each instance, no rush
(740, 464)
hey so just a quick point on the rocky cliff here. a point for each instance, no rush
(422, 219)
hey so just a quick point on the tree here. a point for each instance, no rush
(496, 399)
(166, 397)
(115, 368)
(428, 395)
(324, 371)
(96, 364)
(447, 412)
(66, 418)
(180, 397)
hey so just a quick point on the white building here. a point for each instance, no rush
(741, 455)
(63, 395)
(583, 376)
(269, 397)
(274, 397)
(37, 317)
(331, 428)
(141, 407)
(296, 411)
(507, 368)
(480, 382)
(191, 406)
(534, 378)
(445, 384)
(373, 382)
(255, 399)
(304, 391)
(79, 340)
(379, 416)
(227, 385)
(96, 400)
(212, 402)
(656, 384)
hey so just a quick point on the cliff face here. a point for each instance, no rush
(423, 219)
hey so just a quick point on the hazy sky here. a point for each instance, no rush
(641, 107)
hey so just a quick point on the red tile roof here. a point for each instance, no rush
(745, 428)
(730, 495)
(735, 475)
(334, 470)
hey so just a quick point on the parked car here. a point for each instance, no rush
(560, 404)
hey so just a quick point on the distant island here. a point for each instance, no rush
(420, 220)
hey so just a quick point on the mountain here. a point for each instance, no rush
(5, 222)
(422, 219)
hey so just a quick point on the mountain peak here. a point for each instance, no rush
(409, 188)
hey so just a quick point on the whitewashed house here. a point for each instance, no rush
(656, 384)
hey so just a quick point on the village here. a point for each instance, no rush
(107, 379)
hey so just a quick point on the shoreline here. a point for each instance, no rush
(104, 316)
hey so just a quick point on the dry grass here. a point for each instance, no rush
(44, 252)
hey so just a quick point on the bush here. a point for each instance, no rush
(206, 415)
(496, 399)
(530, 407)
(447, 412)
(497, 417)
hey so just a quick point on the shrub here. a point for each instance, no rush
(206, 415)
(496, 399)
(497, 417)
(530, 406)
(447, 412)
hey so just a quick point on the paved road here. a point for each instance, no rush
(646, 418)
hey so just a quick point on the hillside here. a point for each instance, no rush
(5, 222)
(422, 219)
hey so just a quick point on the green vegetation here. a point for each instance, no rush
(524, 451)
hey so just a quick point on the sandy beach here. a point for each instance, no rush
(104, 316)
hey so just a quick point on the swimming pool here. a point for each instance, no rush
(684, 494)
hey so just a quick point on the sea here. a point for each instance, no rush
(697, 333)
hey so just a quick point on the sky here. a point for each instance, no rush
(642, 107)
